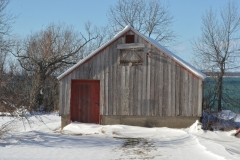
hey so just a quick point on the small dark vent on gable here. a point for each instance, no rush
(129, 38)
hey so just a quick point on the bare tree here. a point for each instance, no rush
(150, 17)
(102, 35)
(218, 47)
(3, 57)
(6, 19)
(46, 53)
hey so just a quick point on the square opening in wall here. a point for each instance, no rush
(129, 38)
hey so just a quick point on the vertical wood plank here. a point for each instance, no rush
(190, 84)
(114, 82)
(152, 85)
(73, 75)
(194, 106)
(193, 94)
(86, 70)
(119, 86)
(165, 86)
(76, 73)
(123, 97)
(139, 76)
(89, 70)
(173, 96)
(177, 89)
(181, 86)
(135, 91)
(64, 106)
(131, 87)
(68, 91)
(200, 87)
(144, 88)
(65, 95)
(156, 83)
(169, 96)
(102, 82)
(79, 72)
(84, 75)
(161, 84)
(83, 72)
(110, 79)
(94, 67)
(60, 102)
(126, 97)
(106, 76)
(97, 65)
(186, 93)
(148, 97)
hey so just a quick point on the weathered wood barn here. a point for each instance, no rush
(131, 80)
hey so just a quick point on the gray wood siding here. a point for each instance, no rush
(158, 87)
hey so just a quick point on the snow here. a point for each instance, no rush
(227, 115)
(43, 139)
(150, 40)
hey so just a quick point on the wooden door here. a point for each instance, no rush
(85, 100)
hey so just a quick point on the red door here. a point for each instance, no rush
(85, 100)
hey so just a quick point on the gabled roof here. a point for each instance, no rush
(148, 39)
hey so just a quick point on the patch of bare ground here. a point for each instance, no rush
(136, 148)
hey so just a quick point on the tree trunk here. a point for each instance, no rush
(37, 86)
(219, 91)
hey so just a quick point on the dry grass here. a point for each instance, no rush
(103, 131)
(115, 133)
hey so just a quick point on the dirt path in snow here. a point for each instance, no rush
(137, 148)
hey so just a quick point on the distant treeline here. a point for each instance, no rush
(231, 92)
(228, 74)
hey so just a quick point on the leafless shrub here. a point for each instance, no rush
(212, 122)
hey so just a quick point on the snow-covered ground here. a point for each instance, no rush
(90, 141)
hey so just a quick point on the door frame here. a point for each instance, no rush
(86, 81)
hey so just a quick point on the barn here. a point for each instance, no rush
(131, 80)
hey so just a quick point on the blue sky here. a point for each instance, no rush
(34, 15)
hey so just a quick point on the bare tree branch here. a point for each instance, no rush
(150, 17)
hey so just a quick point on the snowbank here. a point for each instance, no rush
(43, 140)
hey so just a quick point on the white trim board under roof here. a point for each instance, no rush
(148, 39)
(130, 46)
